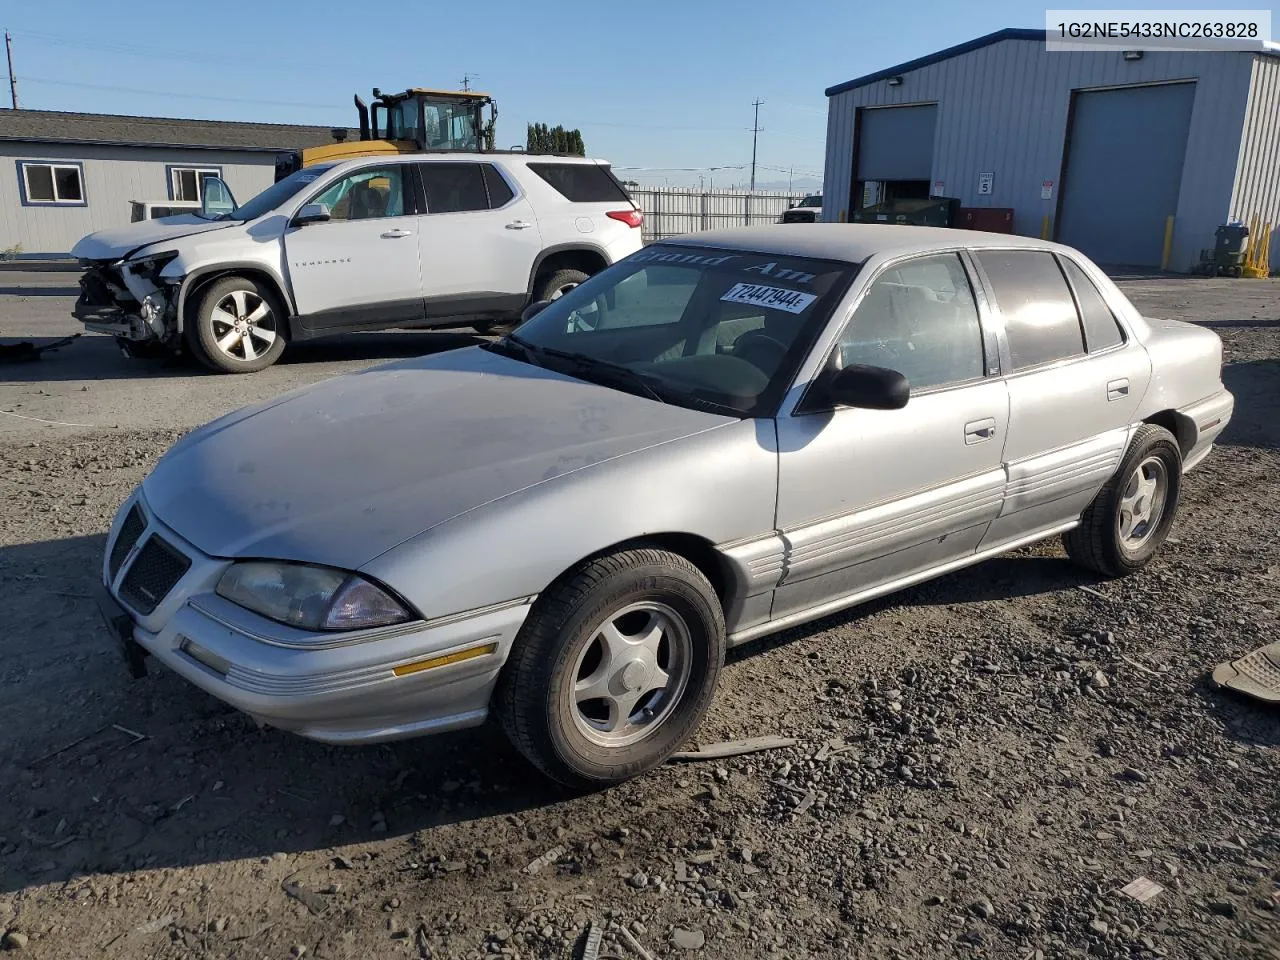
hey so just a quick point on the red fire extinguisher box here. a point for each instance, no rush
(990, 219)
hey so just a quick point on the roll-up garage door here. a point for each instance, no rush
(1124, 171)
(896, 143)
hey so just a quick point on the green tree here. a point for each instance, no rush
(540, 138)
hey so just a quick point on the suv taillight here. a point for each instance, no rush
(632, 218)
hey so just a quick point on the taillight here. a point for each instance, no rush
(632, 218)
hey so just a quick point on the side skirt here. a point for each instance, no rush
(871, 593)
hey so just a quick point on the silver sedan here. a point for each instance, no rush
(721, 436)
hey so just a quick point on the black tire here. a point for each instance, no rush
(203, 329)
(553, 285)
(1096, 543)
(534, 701)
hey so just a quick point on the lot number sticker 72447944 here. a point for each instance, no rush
(776, 298)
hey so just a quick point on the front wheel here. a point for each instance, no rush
(238, 326)
(1129, 519)
(613, 670)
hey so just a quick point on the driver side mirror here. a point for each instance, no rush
(311, 213)
(870, 388)
(533, 309)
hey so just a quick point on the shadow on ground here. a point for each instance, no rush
(98, 358)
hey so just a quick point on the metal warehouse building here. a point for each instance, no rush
(1107, 145)
(70, 174)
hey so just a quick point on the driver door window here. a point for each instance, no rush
(919, 318)
(366, 195)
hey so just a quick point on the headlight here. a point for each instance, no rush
(151, 264)
(310, 598)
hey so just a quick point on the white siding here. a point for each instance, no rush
(1003, 109)
(113, 176)
(1257, 187)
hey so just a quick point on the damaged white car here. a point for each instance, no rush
(375, 243)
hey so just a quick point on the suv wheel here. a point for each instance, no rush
(614, 668)
(238, 326)
(553, 286)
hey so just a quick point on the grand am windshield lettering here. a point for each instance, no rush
(770, 268)
(656, 256)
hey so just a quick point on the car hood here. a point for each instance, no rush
(340, 472)
(118, 242)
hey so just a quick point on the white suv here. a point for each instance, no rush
(374, 243)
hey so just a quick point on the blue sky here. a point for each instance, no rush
(656, 85)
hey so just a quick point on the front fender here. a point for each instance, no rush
(718, 485)
(197, 277)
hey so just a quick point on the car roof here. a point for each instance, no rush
(852, 242)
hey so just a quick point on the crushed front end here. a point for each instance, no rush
(129, 300)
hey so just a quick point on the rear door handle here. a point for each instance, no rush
(1117, 389)
(519, 225)
(976, 431)
(396, 234)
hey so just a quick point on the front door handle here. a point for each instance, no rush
(977, 431)
(1117, 389)
(519, 225)
(396, 234)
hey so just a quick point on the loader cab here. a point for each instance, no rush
(431, 119)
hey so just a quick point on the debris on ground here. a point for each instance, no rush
(1142, 889)
(26, 351)
(539, 863)
(308, 898)
(1256, 674)
(735, 748)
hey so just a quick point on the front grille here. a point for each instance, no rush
(798, 216)
(152, 575)
(130, 531)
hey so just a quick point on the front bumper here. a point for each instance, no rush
(344, 688)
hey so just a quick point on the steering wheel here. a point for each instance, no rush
(758, 344)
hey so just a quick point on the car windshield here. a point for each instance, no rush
(690, 325)
(811, 202)
(278, 193)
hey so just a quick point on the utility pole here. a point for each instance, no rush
(13, 80)
(790, 176)
(755, 132)
(466, 81)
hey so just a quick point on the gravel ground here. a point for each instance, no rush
(982, 762)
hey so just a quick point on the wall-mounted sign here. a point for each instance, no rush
(939, 188)
(985, 182)
(1046, 190)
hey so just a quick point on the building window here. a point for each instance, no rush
(185, 182)
(53, 183)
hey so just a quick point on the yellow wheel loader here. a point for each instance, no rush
(415, 121)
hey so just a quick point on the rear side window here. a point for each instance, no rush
(500, 192)
(582, 182)
(1039, 315)
(453, 187)
(1100, 327)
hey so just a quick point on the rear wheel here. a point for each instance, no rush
(614, 669)
(237, 327)
(1129, 519)
(554, 285)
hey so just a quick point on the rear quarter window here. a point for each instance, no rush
(1039, 313)
(581, 182)
(1101, 330)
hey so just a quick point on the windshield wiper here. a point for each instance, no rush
(617, 372)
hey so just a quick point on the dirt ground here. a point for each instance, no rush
(982, 763)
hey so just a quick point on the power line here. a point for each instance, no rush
(466, 80)
(170, 94)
